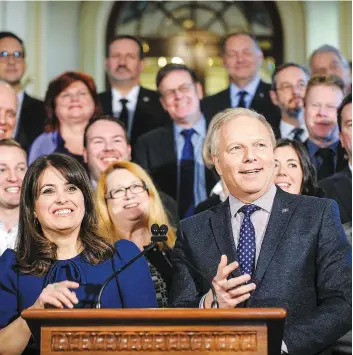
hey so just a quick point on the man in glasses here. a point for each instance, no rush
(30, 111)
(289, 83)
(173, 154)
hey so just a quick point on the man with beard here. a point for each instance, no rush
(323, 96)
(289, 83)
(137, 107)
(13, 166)
(30, 111)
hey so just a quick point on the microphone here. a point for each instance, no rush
(154, 232)
(163, 229)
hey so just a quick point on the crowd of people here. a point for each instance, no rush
(254, 184)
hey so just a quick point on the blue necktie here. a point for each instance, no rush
(241, 102)
(186, 203)
(247, 245)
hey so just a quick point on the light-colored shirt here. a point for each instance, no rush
(200, 193)
(219, 191)
(7, 238)
(250, 88)
(117, 106)
(20, 96)
(286, 130)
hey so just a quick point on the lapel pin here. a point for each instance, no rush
(284, 210)
(261, 94)
(145, 99)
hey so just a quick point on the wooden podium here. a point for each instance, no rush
(246, 331)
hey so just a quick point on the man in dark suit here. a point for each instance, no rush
(289, 83)
(339, 186)
(323, 96)
(242, 58)
(264, 247)
(30, 111)
(173, 154)
(137, 107)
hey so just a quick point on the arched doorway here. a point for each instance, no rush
(190, 31)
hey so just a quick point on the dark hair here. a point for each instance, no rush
(4, 34)
(309, 183)
(346, 101)
(236, 34)
(35, 253)
(163, 72)
(10, 142)
(57, 86)
(132, 38)
(329, 80)
(285, 66)
(105, 118)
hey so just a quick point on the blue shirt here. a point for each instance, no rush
(200, 193)
(133, 288)
(317, 160)
(250, 88)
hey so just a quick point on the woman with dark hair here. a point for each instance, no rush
(61, 260)
(70, 101)
(294, 171)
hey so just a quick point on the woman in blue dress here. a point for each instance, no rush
(61, 260)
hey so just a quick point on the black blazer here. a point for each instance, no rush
(338, 187)
(261, 103)
(304, 266)
(31, 121)
(155, 152)
(149, 113)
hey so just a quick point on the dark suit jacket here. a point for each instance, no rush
(338, 187)
(155, 152)
(149, 113)
(31, 121)
(304, 266)
(261, 103)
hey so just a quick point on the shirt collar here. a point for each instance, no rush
(313, 148)
(265, 202)
(250, 88)
(199, 127)
(14, 229)
(132, 96)
(286, 129)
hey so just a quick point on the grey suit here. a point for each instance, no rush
(304, 266)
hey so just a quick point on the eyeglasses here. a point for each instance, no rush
(121, 191)
(185, 88)
(17, 55)
(290, 87)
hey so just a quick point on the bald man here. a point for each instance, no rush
(8, 110)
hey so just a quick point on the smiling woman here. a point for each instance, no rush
(61, 260)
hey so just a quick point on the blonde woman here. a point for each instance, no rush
(128, 204)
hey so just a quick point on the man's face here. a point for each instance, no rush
(346, 130)
(106, 143)
(8, 109)
(11, 68)
(245, 158)
(180, 96)
(321, 103)
(326, 63)
(13, 166)
(242, 59)
(124, 63)
(291, 85)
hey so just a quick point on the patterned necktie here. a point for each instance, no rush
(186, 203)
(247, 244)
(327, 167)
(241, 102)
(297, 133)
(124, 113)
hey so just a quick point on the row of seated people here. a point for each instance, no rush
(65, 247)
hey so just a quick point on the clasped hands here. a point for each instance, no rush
(229, 292)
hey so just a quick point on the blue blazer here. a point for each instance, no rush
(133, 288)
(304, 266)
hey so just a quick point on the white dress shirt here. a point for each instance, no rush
(7, 239)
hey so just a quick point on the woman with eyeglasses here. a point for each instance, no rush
(71, 101)
(61, 260)
(128, 205)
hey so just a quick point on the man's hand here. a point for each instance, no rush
(229, 292)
